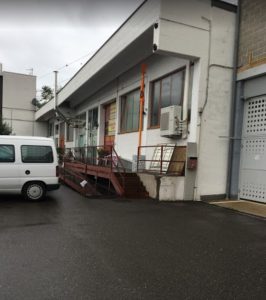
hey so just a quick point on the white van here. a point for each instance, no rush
(28, 165)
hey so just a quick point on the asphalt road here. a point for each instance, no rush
(70, 247)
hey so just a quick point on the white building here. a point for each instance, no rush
(16, 94)
(188, 49)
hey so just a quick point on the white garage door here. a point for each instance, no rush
(253, 153)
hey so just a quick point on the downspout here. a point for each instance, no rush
(141, 106)
(185, 100)
(55, 90)
(233, 103)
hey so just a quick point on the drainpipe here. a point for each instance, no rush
(185, 99)
(233, 103)
(55, 103)
(55, 89)
(141, 106)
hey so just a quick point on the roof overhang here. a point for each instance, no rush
(137, 51)
(46, 112)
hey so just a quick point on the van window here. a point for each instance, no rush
(7, 153)
(36, 154)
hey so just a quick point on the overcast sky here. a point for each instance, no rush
(47, 35)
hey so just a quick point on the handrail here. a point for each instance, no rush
(158, 162)
(95, 155)
(107, 158)
(119, 159)
(117, 167)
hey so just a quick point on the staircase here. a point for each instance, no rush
(73, 179)
(133, 187)
(124, 183)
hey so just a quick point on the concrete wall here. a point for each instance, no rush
(164, 188)
(252, 31)
(19, 90)
(215, 111)
(18, 112)
(208, 39)
(151, 184)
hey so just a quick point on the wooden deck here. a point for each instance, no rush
(125, 184)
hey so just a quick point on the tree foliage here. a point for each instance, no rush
(47, 93)
(5, 129)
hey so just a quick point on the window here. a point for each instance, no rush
(70, 133)
(51, 129)
(130, 112)
(62, 127)
(37, 154)
(166, 91)
(7, 153)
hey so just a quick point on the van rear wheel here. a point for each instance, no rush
(34, 191)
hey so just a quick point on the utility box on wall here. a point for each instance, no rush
(171, 117)
(192, 163)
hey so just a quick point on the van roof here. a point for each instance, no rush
(34, 138)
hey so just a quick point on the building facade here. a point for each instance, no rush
(16, 94)
(248, 133)
(187, 47)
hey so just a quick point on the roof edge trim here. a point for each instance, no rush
(224, 5)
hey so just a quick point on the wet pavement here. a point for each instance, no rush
(71, 247)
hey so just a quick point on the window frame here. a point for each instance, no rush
(14, 152)
(36, 162)
(121, 113)
(152, 84)
(68, 135)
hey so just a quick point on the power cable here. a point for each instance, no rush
(67, 65)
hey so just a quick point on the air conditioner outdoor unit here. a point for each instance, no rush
(171, 121)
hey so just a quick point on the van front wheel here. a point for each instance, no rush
(34, 191)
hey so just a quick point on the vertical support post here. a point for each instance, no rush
(86, 161)
(64, 170)
(185, 101)
(138, 159)
(161, 164)
(55, 89)
(141, 102)
(111, 158)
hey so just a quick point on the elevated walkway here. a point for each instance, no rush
(78, 167)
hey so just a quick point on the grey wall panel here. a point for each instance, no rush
(255, 87)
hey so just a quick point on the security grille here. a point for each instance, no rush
(253, 152)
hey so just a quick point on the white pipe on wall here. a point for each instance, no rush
(185, 98)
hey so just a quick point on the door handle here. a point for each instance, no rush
(27, 172)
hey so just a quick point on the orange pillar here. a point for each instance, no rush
(141, 103)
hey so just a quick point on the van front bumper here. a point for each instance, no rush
(52, 187)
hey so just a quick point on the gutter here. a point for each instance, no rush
(233, 103)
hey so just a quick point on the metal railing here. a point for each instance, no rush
(162, 159)
(102, 156)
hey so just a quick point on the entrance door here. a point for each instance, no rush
(93, 127)
(81, 141)
(110, 124)
(92, 135)
(253, 151)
